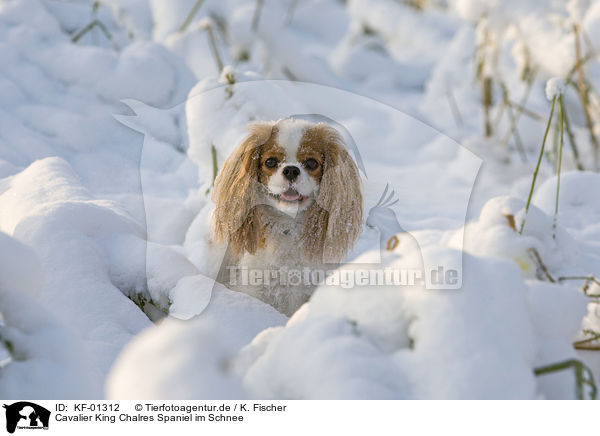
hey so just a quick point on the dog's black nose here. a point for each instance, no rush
(291, 172)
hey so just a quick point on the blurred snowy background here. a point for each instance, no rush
(103, 228)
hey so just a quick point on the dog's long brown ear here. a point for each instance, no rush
(236, 218)
(334, 221)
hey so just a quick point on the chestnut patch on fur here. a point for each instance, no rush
(313, 146)
(270, 150)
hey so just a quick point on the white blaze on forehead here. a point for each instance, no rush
(290, 135)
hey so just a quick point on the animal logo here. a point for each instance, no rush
(383, 218)
(27, 415)
(215, 124)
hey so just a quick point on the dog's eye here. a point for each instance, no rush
(271, 162)
(311, 164)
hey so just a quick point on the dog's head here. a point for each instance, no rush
(294, 167)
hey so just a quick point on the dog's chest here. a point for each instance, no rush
(274, 273)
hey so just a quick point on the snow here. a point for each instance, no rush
(577, 9)
(591, 23)
(204, 346)
(46, 360)
(362, 348)
(554, 88)
(46, 207)
(21, 268)
(107, 272)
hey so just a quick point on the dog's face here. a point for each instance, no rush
(291, 165)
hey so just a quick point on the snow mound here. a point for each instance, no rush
(44, 359)
(350, 354)
(45, 206)
(199, 352)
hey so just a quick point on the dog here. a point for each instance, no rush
(287, 199)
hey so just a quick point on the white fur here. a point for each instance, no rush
(304, 184)
(289, 138)
(290, 134)
(279, 254)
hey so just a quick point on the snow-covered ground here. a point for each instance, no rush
(106, 167)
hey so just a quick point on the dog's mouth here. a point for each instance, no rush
(290, 196)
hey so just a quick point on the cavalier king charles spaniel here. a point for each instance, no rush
(287, 199)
